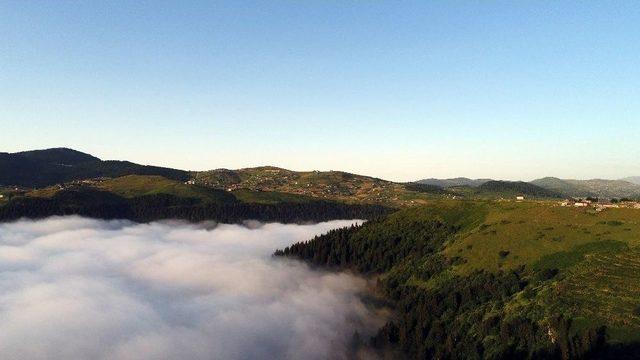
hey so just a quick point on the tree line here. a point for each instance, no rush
(105, 205)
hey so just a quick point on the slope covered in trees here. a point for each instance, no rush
(517, 188)
(108, 205)
(42, 168)
(467, 283)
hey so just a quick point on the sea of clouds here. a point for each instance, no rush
(77, 288)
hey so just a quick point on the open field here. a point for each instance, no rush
(524, 233)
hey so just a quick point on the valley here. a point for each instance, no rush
(489, 268)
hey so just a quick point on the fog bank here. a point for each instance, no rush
(89, 289)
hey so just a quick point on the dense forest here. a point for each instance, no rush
(106, 205)
(446, 315)
(518, 187)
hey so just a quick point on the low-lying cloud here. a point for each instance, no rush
(76, 288)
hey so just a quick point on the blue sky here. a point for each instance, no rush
(400, 89)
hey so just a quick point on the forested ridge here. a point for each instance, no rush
(42, 168)
(446, 314)
(106, 205)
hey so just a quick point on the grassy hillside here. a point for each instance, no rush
(139, 185)
(352, 188)
(484, 279)
(147, 198)
(132, 186)
(532, 231)
(269, 197)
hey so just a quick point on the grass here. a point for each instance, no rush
(269, 197)
(43, 192)
(531, 231)
(139, 185)
(566, 259)
(604, 288)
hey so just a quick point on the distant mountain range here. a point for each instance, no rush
(460, 181)
(596, 187)
(632, 179)
(602, 188)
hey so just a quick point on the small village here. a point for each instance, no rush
(600, 204)
(592, 203)
(317, 184)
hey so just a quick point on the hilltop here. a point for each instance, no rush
(44, 173)
(515, 188)
(41, 168)
(459, 181)
(337, 185)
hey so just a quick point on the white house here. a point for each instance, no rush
(519, 197)
(580, 204)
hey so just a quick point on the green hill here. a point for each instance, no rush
(472, 279)
(140, 185)
(329, 185)
(148, 197)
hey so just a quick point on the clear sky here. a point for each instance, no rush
(400, 89)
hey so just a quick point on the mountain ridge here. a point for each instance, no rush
(457, 181)
(601, 188)
(632, 179)
(47, 167)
